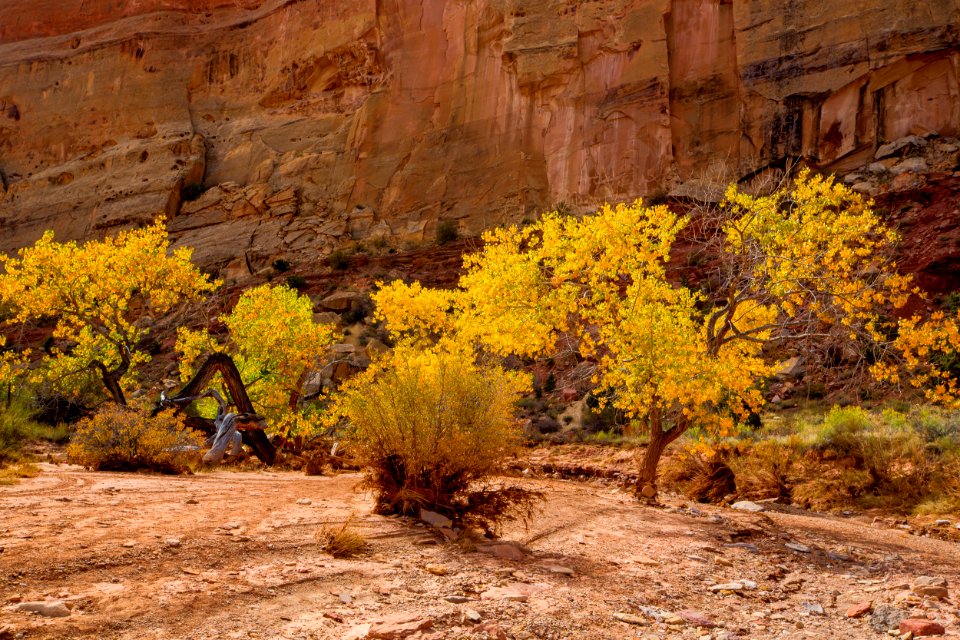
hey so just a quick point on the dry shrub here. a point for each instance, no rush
(15, 472)
(768, 469)
(702, 473)
(341, 541)
(851, 457)
(125, 439)
(886, 446)
(828, 486)
(490, 508)
(429, 426)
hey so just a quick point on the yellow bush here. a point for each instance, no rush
(427, 423)
(124, 439)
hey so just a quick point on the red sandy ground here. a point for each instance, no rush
(248, 565)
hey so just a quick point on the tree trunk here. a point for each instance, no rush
(647, 478)
(113, 386)
(223, 364)
(659, 440)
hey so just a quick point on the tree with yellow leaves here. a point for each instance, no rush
(274, 342)
(928, 357)
(799, 268)
(102, 297)
(12, 368)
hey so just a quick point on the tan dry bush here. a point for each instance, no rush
(428, 426)
(702, 473)
(828, 487)
(886, 446)
(769, 469)
(15, 472)
(120, 438)
(341, 541)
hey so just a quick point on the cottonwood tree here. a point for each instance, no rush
(102, 297)
(12, 368)
(275, 343)
(804, 265)
(928, 357)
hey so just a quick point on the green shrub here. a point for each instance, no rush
(339, 260)
(296, 282)
(447, 231)
(17, 428)
(281, 266)
(125, 439)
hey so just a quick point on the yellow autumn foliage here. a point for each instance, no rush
(807, 262)
(428, 421)
(125, 439)
(12, 365)
(274, 342)
(929, 350)
(103, 297)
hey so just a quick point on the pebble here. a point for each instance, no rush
(472, 616)
(129, 544)
(305, 501)
(435, 519)
(457, 599)
(54, 609)
(172, 542)
(921, 627)
(746, 505)
(942, 523)
(930, 587)
(796, 546)
(629, 618)
(191, 501)
(698, 619)
(514, 593)
(739, 585)
(885, 617)
(437, 569)
(505, 551)
(859, 610)
(555, 568)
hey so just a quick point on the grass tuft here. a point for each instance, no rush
(341, 541)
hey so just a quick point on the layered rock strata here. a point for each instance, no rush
(279, 128)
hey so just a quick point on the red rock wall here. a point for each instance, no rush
(312, 121)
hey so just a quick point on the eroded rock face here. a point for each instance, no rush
(268, 128)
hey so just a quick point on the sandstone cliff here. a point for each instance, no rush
(268, 128)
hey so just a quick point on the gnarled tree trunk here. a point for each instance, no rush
(221, 363)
